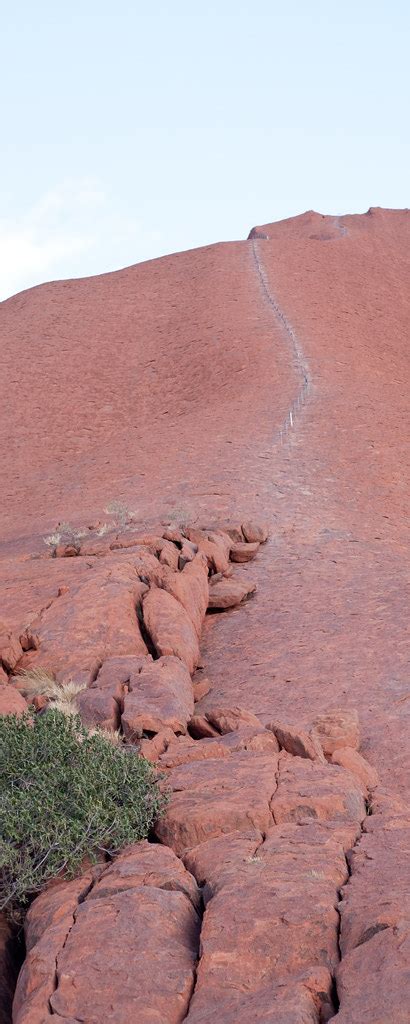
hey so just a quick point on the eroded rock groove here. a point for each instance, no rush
(298, 356)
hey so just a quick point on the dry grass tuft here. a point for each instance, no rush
(66, 707)
(37, 682)
(122, 515)
(67, 533)
(52, 540)
(103, 529)
(107, 734)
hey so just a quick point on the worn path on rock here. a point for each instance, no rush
(330, 620)
(297, 354)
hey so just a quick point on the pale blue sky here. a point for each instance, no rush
(130, 129)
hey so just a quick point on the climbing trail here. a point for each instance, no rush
(298, 357)
(276, 884)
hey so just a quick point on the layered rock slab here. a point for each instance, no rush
(170, 628)
(375, 924)
(308, 790)
(47, 925)
(88, 623)
(160, 696)
(269, 941)
(100, 959)
(211, 797)
(270, 935)
(142, 695)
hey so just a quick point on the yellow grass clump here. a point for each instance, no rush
(37, 682)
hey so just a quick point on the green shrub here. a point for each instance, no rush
(65, 795)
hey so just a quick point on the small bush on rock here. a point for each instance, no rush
(65, 795)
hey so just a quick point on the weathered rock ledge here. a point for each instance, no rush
(278, 871)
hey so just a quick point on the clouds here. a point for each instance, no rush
(46, 240)
(75, 229)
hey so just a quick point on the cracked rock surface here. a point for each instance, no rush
(272, 381)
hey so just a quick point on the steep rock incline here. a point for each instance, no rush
(269, 376)
(137, 386)
(331, 613)
(170, 386)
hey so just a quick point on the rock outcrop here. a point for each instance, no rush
(123, 943)
(264, 380)
(262, 839)
(265, 825)
(126, 629)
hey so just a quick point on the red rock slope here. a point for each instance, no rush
(266, 377)
(332, 612)
(170, 385)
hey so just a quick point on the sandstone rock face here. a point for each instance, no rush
(171, 628)
(279, 421)
(217, 796)
(11, 701)
(298, 741)
(159, 697)
(91, 622)
(308, 790)
(104, 956)
(228, 593)
(348, 548)
(338, 729)
(375, 925)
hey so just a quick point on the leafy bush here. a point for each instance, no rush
(65, 794)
